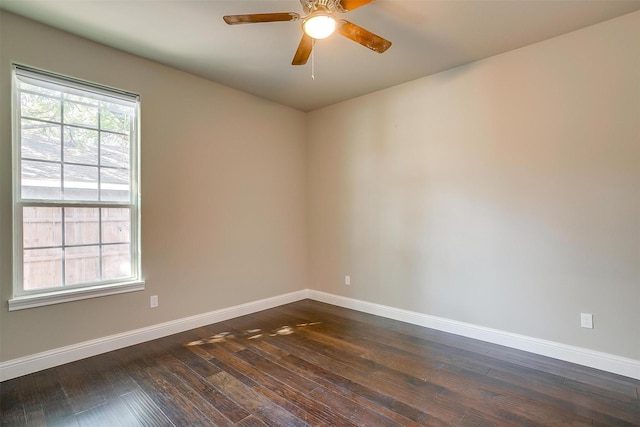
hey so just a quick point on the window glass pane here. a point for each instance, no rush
(116, 118)
(114, 185)
(116, 225)
(80, 182)
(114, 150)
(80, 145)
(40, 90)
(40, 180)
(116, 262)
(42, 268)
(40, 140)
(82, 264)
(39, 107)
(88, 100)
(41, 226)
(81, 226)
(81, 113)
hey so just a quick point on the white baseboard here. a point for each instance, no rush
(581, 356)
(48, 359)
(59, 356)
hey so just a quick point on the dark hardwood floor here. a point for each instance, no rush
(315, 364)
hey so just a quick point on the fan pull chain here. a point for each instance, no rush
(313, 60)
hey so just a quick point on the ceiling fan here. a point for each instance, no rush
(319, 23)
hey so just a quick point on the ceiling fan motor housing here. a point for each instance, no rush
(310, 6)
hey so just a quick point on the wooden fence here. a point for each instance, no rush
(107, 253)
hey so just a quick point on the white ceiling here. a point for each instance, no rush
(428, 36)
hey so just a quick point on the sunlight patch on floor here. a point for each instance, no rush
(251, 334)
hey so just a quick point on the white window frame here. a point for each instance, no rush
(22, 298)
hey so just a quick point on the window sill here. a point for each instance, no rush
(58, 297)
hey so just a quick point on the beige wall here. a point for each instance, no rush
(504, 193)
(223, 194)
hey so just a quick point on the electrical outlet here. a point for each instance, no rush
(347, 280)
(153, 302)
(586, 320)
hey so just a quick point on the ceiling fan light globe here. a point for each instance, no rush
(319, 26)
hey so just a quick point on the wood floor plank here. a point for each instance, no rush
(312, 412)
(394, 327)
(351, 410)
(315, 412)
(220, 409)
(254, 402)
(11, 406)
(106, 414)
(198, 364)
(589, 405)
(157, 382)
(82, 385)
(605, 382)
(30, 399)
(495, 400)
(283, 388)
(145, 409)
(314, 364)
(256, 368)
(356, 370)
(250, 421)
(46, 390)
(473, 419)
(198, 392)
(372, 398)
(404, 349)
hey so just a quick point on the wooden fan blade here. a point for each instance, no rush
(304, 50)
(260, 17)
(362, 36)
(353, 4)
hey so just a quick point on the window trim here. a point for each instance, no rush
(22, 299)
(74, 294)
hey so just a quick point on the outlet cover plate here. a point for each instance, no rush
(586, 320)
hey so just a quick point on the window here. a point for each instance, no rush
(76, 199)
